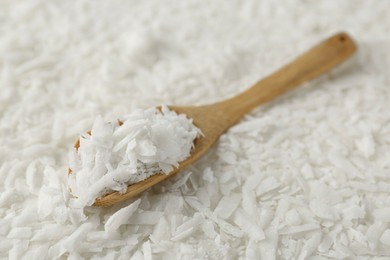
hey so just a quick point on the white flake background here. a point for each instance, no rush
(307, 175)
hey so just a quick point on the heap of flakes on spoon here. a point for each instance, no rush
(115, 155)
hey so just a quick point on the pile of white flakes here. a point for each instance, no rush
(116, 154)
(308, 175)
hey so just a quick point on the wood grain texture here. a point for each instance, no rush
(215, 119)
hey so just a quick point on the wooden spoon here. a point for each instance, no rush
(215, 119)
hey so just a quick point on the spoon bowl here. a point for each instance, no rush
(213, 120)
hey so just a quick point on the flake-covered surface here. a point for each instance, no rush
(307, 175)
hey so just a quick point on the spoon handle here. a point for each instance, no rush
(307, 66)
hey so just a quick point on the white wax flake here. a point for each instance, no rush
(249, 225)
(208, 229)
(121, 217)
(354, 212)
(323, 210)
(38, 253)
(145, 218)
(19, 246)
(115, 155)
(174, 204)
(20, 232)
(34, 179)
(324, 193)
(385, 238)
(249, 203)
(183, 234)
(382, 214)
(203, 196)
(373, 234)
(45, 202)
(183, 179)
(299, 229)
(190, 224)
(268, 247)
(161, 229)
(4, 227)
(253, 181)
(267, 185)
(51, 232)
(225, 226)
(252, 250)
(293, 218)
(227, 205)
(73, 241)
(147, 251)
(76, 215)
(310, 246)
(344, 164)
(228, 156)
(307, 171)
(366, 145)
(358, 236)
(28, 216)
(208, 175)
